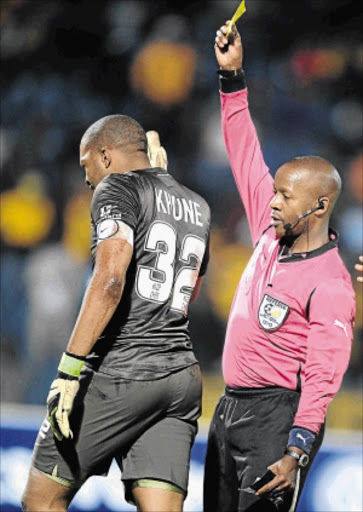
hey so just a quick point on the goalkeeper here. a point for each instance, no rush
(129, 386)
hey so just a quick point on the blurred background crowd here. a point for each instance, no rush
(67, 63)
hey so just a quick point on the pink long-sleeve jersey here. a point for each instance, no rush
(292, 317)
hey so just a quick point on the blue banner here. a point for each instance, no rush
(334, 483)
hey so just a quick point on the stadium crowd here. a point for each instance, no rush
(76, 61)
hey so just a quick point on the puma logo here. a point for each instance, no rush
(301, 437)
(342, 326)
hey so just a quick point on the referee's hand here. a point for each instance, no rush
(359, 267)
(285, 470)
(229, 50)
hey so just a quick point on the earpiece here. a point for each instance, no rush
(292, 225)
(321, 203)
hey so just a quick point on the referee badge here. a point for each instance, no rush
(272, 313)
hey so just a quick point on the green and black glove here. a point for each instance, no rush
(62, 393)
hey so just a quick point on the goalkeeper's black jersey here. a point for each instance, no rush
(148, 336)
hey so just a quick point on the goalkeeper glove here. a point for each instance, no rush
(62, 393)
(156, 153)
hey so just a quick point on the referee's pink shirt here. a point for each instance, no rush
(290, 318)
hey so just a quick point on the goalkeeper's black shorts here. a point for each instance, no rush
(148, 426)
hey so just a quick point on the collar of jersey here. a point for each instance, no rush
(302, 256)
(158, 170)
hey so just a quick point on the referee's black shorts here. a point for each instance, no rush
(248, 433)
(148, 426)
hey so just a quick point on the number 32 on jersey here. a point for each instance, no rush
(158, 283)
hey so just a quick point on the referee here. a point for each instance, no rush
(290, 328)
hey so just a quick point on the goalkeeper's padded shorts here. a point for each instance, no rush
(149, 427)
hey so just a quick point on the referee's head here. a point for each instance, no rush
(301, 185)
(113, 144)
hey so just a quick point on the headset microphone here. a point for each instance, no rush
(292, 225)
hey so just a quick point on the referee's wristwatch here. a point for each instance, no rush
(302, 458)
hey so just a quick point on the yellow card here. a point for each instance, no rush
(240, 10)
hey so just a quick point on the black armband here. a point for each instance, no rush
(231, 80)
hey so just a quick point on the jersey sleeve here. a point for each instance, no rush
(116, 198)
(253, 180)
(332, 313)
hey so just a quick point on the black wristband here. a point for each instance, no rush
(231, 80)
(81, 358)
(65, 376)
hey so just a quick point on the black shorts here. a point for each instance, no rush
(148, 426)
(248, 433)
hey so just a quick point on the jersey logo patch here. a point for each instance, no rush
(106, 212)
(272, 313)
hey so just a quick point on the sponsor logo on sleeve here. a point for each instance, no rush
(106, 212)
(340, 324)
(272, 313)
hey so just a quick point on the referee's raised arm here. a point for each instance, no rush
(253, 180)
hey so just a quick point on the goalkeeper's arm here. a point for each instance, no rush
(101, 299)
(156, 152)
